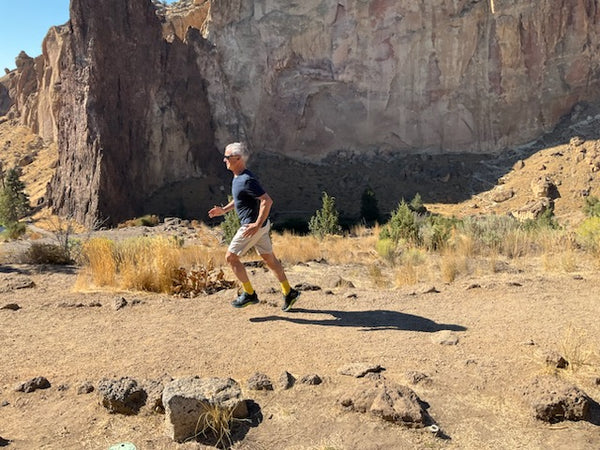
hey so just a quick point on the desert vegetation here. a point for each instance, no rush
(410, 247)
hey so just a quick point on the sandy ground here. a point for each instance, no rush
(505, 323)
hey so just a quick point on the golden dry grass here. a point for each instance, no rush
(576, 349)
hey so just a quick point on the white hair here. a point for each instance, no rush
(238, 148)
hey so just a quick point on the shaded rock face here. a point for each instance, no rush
(348, 94)
(133, 118)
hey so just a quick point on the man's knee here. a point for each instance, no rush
(232, 258)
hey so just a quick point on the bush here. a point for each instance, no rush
(402, 226)
(14, 230)
(149, 220)
(47, 254)
(592, 207)
(230, 225)
(489, 232)
(326, 220)
(588, 234)
(437, 231)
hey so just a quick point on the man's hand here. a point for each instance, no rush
(216, 211)
(251, 229)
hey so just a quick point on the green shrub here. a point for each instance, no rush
(489, 232)
(588, 234)
(402, 226)
(416, 204)
(546, 220)
(230, 224)
(436, 231)
(386, 248)
(326, 220)
(14, 230)
(592, 206)
(14, 202)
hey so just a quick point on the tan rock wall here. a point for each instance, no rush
(408, 76)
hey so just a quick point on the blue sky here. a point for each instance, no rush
(25, 24)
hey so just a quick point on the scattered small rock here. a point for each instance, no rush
(122, 396)
(501, 195)
(474, 286)
(286, 380)
(576, 141)
(119, 303)
(388, 401)
(85, 388)
(154, 390)
(431, 290)
(63, 387)
(260, 382)
(33, 385)
(555, 359)
(307, 287)
(359, 370)
(4, 403)
(11, 307)
(444, 337)
(554, 400)
(353, 295)
(311, 379)
(415, 377)
(4, 442)
(329, 292)
(343, 283)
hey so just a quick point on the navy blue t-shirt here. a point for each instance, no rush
(246, 189)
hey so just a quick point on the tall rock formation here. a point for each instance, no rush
(404, 96)
(134, 119)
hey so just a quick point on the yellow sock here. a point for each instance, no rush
(285, 287)
(248, 288)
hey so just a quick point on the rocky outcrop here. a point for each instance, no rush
(134, 118)
(395, 95)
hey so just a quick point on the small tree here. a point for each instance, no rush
(403, 225)
(326, 220)
(369, 210)
(230, 225)
(14, 202)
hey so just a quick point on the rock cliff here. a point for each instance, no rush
(400, 95)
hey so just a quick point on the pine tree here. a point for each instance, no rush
(326, 220)
(14, 202)
(369, 210)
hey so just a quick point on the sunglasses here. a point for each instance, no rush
(230, 156)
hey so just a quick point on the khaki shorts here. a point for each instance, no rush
(261, 241)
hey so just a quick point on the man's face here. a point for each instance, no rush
(231, 161)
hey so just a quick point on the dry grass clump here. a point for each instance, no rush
(149, 264)
(292, 249)
(575, 349)
(214, 425)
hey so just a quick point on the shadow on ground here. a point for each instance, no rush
(374, 320)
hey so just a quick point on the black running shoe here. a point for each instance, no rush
(290, 299)
(244, 300)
